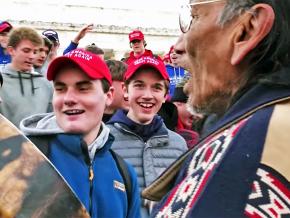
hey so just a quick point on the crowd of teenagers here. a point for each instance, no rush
(202, 131)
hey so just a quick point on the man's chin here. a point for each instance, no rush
(214, 105)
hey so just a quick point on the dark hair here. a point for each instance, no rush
(272, 53)
(117, 69)
(105, 85)
(94, 49)
(268, 61)
(47, 43)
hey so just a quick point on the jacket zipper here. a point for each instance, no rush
(91, 177)
(89, 163)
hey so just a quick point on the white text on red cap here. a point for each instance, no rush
(79, 54)
(135, 34)
(146, 60)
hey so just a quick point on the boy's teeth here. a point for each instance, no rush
(73, 111)
(146, 105)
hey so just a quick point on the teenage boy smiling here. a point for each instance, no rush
(141, 136)
(79, 142)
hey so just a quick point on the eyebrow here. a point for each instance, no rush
(84, 82)
(138, 81)
(160, 83)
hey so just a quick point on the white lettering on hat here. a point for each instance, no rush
(135, 34)
(79, 54)
(146, 60)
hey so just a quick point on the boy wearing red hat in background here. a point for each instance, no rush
(138, 44)
(141, 136)
(5, 58)
(78, 142)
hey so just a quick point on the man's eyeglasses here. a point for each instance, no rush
(185, 18)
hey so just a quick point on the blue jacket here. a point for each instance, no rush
(106, 183)
(176, 75)
(241, 168)
(71, 46)
(4, 58)
(94, 177)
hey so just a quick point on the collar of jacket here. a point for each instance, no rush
(72, 143)
(146, 53)
(160, 139)
(244, 107)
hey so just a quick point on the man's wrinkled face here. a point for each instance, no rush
(208, 47)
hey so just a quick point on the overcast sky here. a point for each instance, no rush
(146, 13)
(148, 4)
(138, 4)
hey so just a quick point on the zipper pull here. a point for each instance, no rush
(91, 176)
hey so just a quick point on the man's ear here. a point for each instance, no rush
(125, 90)
(252, 29)
(10, 50)
(110, 96)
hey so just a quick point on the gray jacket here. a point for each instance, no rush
(24, 94)
(149, 158)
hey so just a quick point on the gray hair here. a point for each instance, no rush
(234, 8)
(272, 53)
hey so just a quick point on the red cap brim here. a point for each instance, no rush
(57, 63)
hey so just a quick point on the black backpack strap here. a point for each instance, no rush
(42, 142)
(123, 168)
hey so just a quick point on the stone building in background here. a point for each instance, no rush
(112, 22)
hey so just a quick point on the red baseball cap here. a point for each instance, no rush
(167, 56)
(136, 35)
(90, 63)
(146, 61)
(5, 26)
